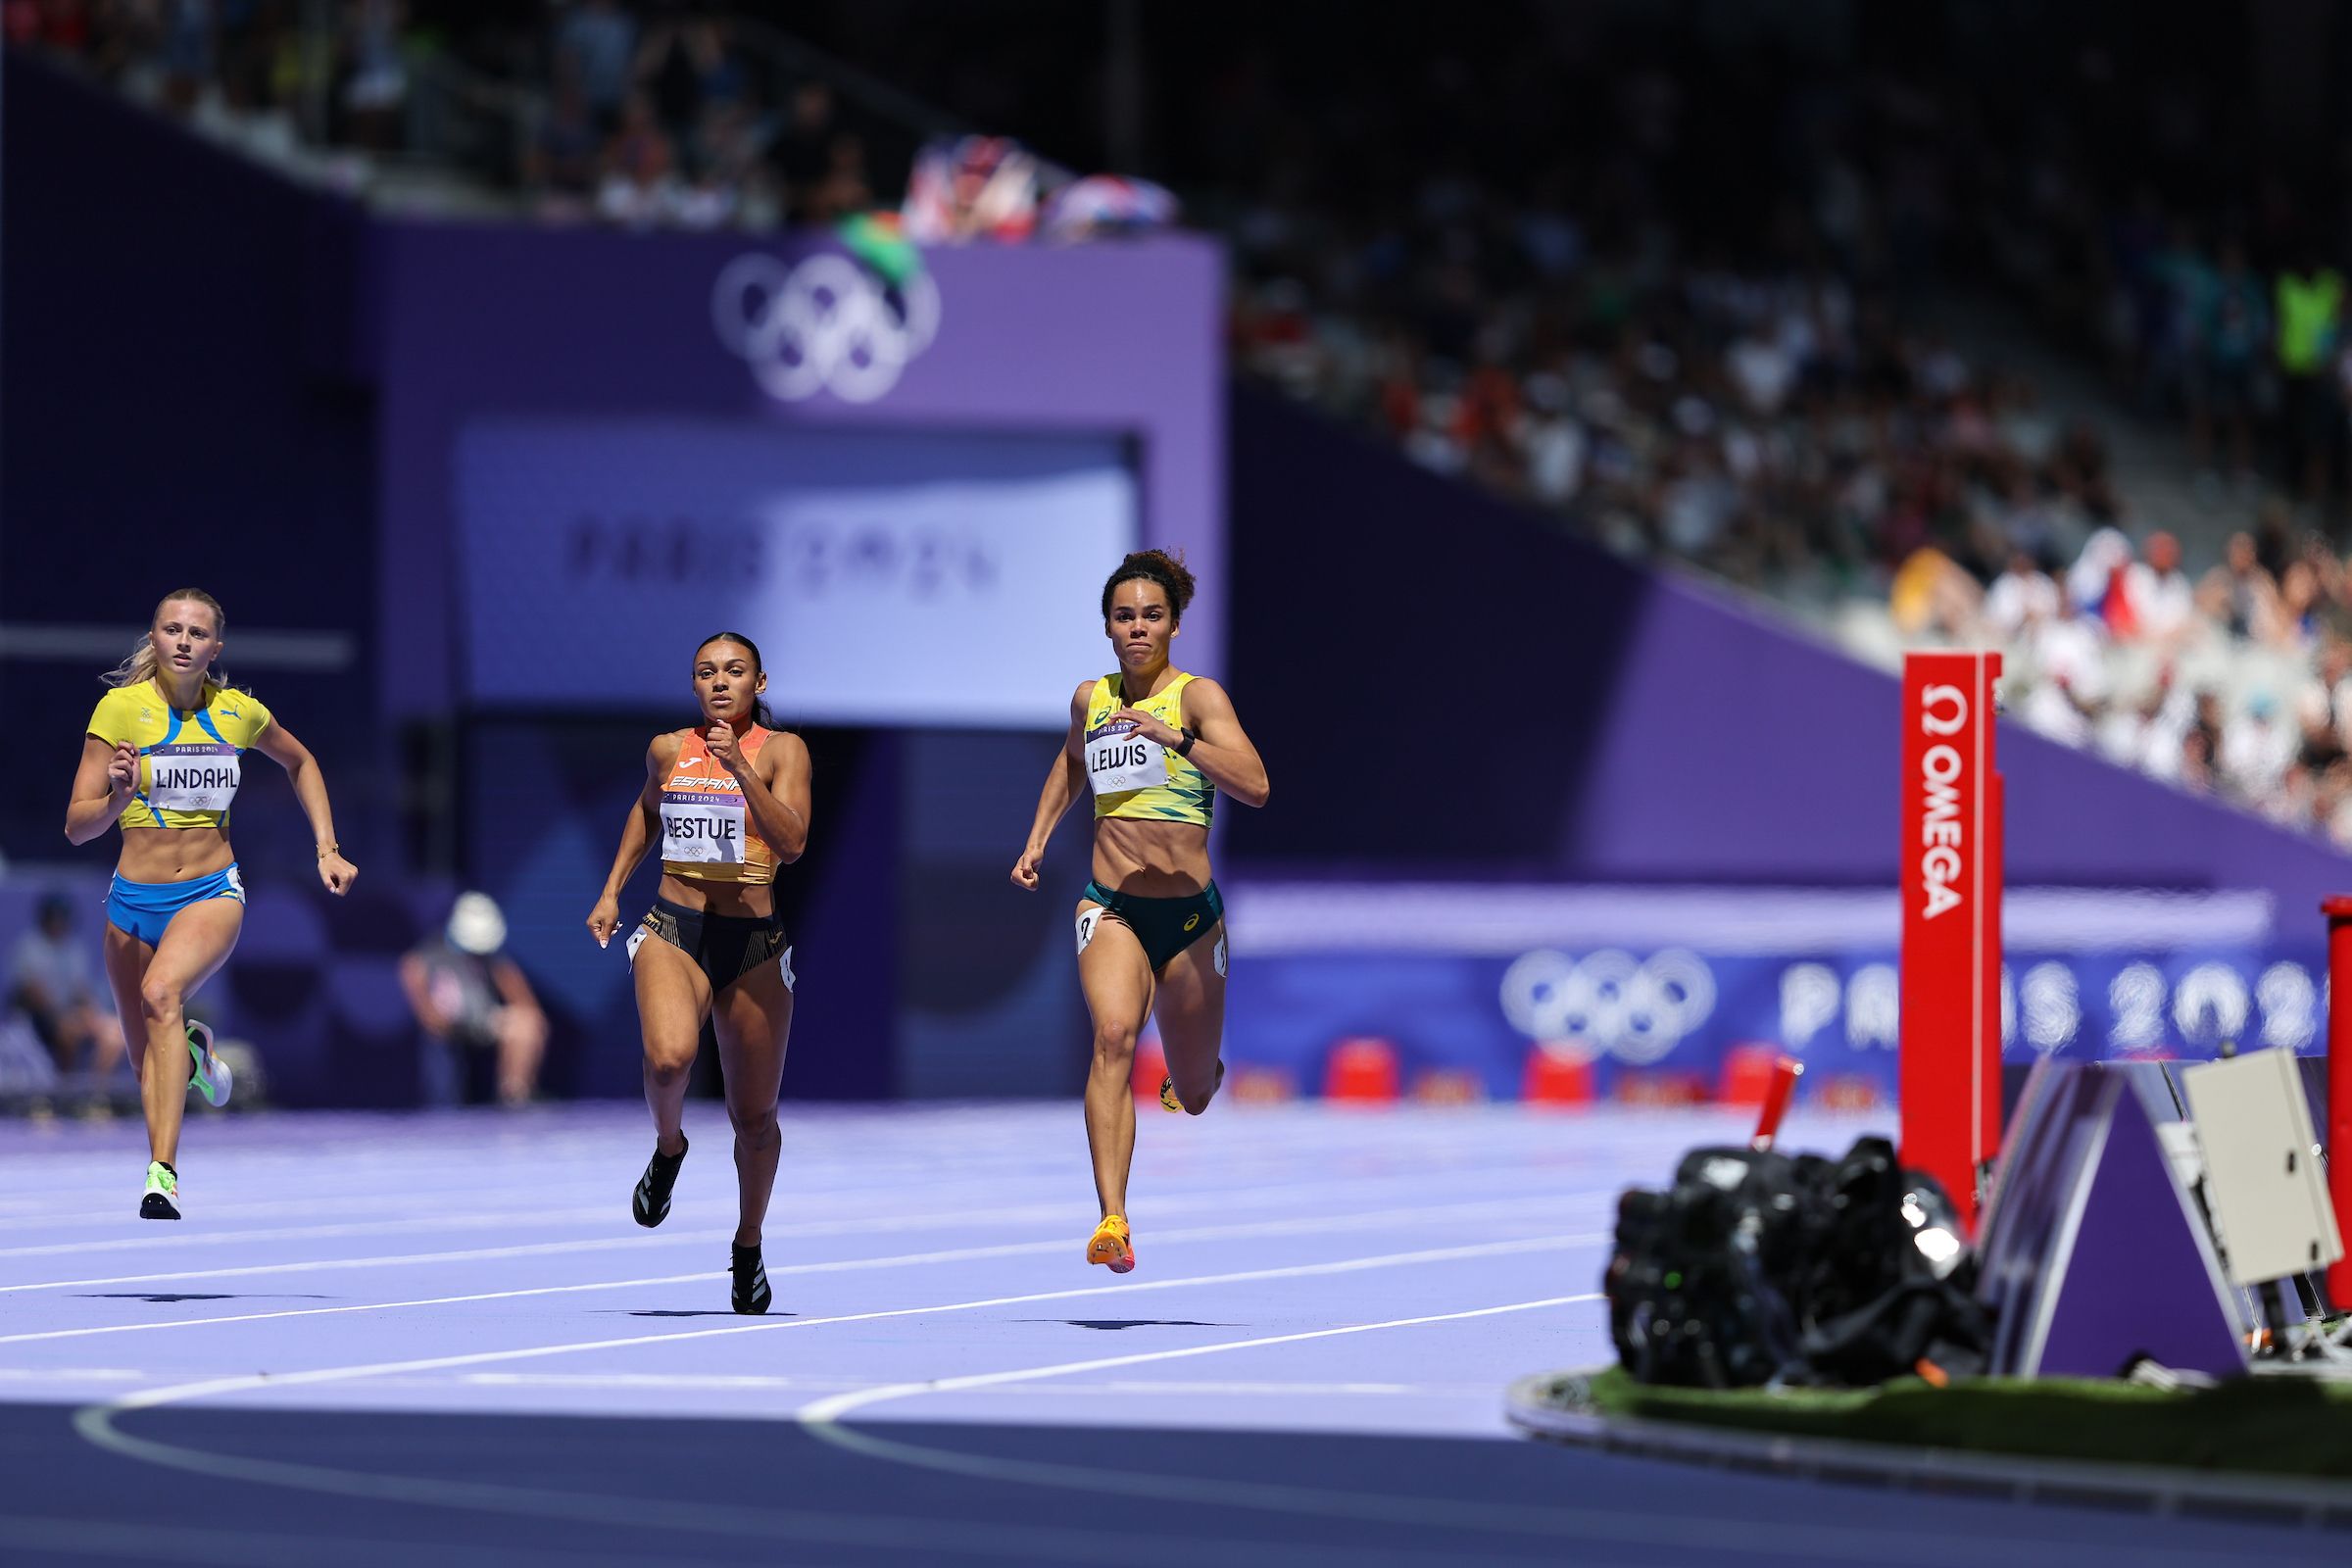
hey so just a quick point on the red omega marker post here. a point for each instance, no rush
(2338, 1131)
(1949, 1075)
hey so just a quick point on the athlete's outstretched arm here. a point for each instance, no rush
(636, 836)
(775, 787)
(1220, 748)
(277, 743)
(102, 787)
(1064, 782)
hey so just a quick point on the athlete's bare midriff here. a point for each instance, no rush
(1151, 859)
(737, 901)
(174, 853)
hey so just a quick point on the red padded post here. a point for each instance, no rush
(2338, 1131)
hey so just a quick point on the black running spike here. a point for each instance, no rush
(750, 1294)
(649, 1205)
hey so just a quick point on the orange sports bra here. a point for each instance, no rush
(706, 833)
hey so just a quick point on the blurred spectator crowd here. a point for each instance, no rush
(2213, 297)
(2235, 682)
(593, 110)
(246, 60)
(657, 125)
(657, 115)
(1716, 325)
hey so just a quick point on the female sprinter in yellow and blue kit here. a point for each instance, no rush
(162, 756)
(728, 801)
(1156, 744)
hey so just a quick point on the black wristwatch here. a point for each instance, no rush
(1184, 747)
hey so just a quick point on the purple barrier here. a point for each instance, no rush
(2093, 1254)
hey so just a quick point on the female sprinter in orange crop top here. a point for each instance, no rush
(729, 803)
(1157, 746)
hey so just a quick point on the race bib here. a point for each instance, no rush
(701, 827)
(192, 776)
(1118, 758)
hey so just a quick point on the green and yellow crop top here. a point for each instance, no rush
(188, 758)
(1131, 777)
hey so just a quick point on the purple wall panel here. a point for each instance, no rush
(475, 320)
(183, 410)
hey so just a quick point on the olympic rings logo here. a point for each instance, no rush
(824, 325)
(1636, 1010)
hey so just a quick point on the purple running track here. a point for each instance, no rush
(374, 1337)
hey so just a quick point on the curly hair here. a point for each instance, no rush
(1154, 566)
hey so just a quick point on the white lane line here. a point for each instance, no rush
(1280, 1391)
(625, 1380)
(71, 1374)
(177, 1393)
(1237, 1188)
(603, 1243)
(801, 1180)
(821, 1417)
(312, 1233)
(357, 1307)
(1040, 1208)
(1318, 1224)
(398, 1175)
(880, 1182)
(900, 1222)
(722, 1382)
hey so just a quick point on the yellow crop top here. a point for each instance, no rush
(1134, 778)
(188, 758)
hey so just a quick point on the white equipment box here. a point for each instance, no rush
(2262, 1178)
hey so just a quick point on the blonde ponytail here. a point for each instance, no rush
(141, 664)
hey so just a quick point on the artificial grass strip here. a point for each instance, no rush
(2271, 1424)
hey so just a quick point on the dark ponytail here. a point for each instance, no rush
(1155, 565)
(760, 713)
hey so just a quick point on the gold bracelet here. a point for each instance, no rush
(331, 848)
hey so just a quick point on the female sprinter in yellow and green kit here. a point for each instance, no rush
(1156, 744)
(162, 755)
